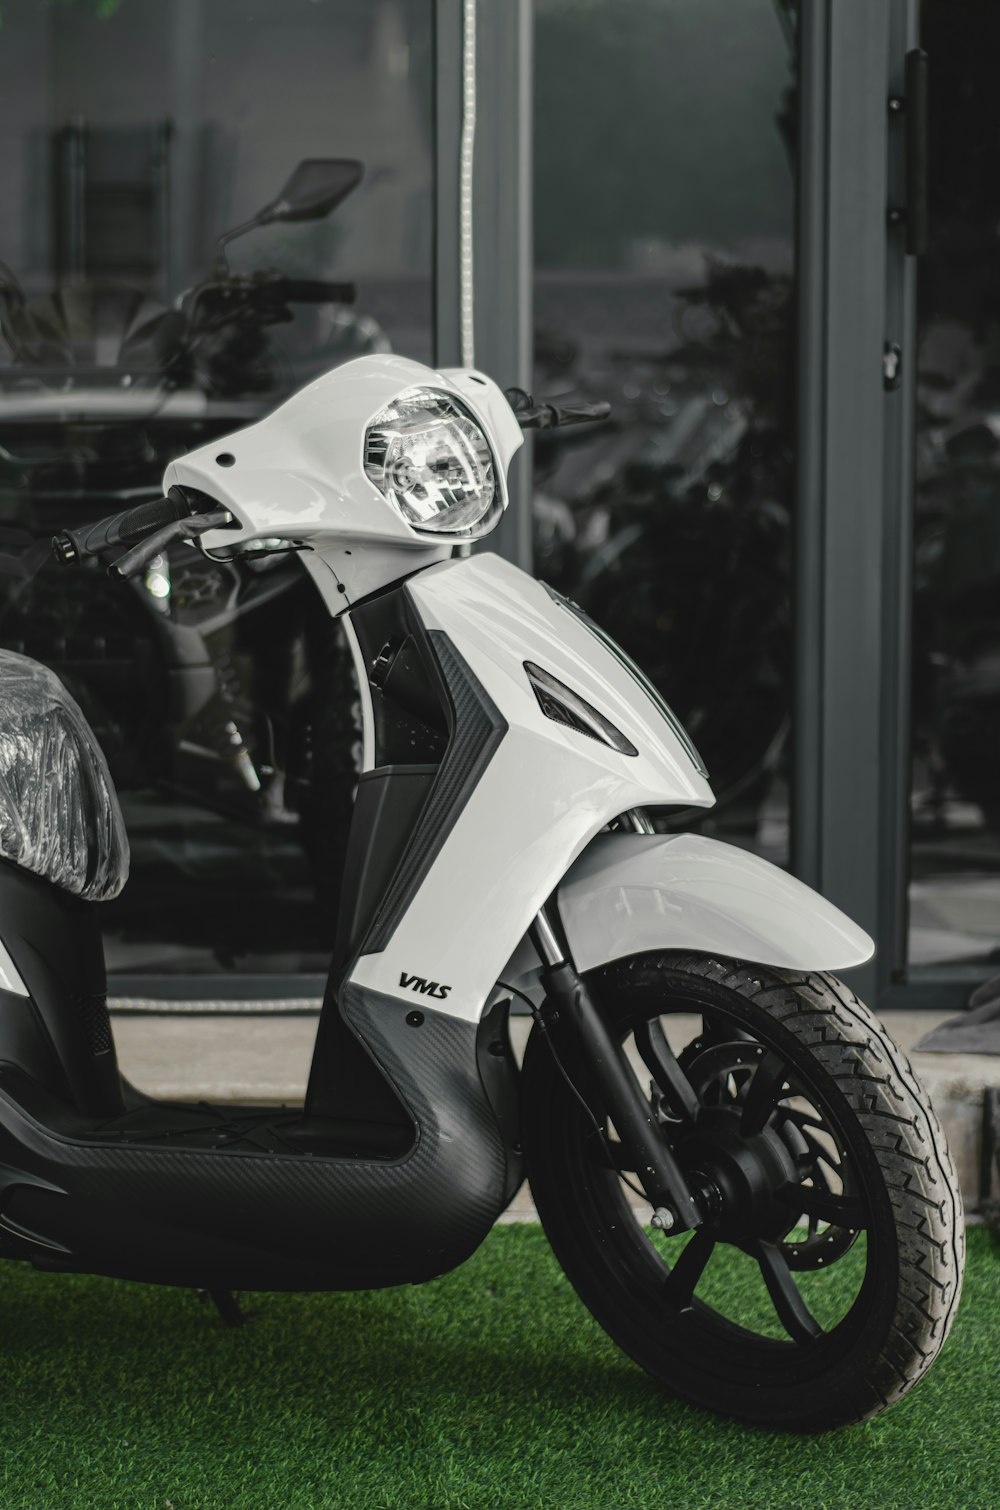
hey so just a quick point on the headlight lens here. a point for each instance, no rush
(429, 458)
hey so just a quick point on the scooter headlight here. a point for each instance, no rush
(431, 459)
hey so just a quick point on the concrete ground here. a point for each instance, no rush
(265, 1058)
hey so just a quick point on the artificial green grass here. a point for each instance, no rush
(490, 1387)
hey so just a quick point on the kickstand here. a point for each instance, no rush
(227, 1303)
(990, 1157)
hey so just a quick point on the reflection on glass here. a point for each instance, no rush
(205, 203)
(664, 214)
(955, 852)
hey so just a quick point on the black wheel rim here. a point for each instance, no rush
(788, 1179)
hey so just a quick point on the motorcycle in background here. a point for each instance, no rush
(206, 682)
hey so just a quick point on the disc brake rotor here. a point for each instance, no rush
(722, 1074)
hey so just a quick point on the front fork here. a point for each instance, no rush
(674, 1206)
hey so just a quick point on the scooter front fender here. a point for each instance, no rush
(630, 893)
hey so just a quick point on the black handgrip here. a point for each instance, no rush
(145, 517)
(541, 416)
(917, 218)
(551, 416)
(133, 561)
(580, 414)
(119, 529)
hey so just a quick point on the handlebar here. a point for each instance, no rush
(149, 528)
(120, 529)
(236, 294)
(543, 416)
(313, 291)
(133, 561)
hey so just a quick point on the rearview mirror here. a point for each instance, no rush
(315, 188)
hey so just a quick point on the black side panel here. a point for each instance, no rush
(343, 1081)
(477, 729)
(409, 709)
(386, 810)
(54, 940)
(403, 813)
(260, 1220)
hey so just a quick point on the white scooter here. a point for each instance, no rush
(499, 851)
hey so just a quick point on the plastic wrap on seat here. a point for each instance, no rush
(59, 812)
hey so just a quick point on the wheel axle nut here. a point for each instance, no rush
(663, 1219)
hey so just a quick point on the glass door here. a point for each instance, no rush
(665, 214)
(954, 850)
(858, 243)
(133, 137)
(898, 560)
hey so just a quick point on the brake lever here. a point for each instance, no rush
(133, 561)
(540, 415)
(529, 414)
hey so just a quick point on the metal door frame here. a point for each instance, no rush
(857, 292)
(502, 266)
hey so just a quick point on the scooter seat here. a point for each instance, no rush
(59, 812)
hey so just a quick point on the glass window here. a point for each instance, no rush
(134, 134)
(955, 835)
(664, 246)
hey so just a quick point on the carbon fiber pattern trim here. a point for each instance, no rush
(93, 1010)
(254, 1220)
(477, 729)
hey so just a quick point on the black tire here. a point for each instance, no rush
(836, 1102)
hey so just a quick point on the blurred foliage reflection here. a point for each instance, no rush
(664, 204)
(955, 853)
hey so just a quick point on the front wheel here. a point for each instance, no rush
(826, 1274)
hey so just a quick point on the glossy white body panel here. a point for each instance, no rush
(544, 795)
(10, 980)
(631, 893)
(299, 474)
